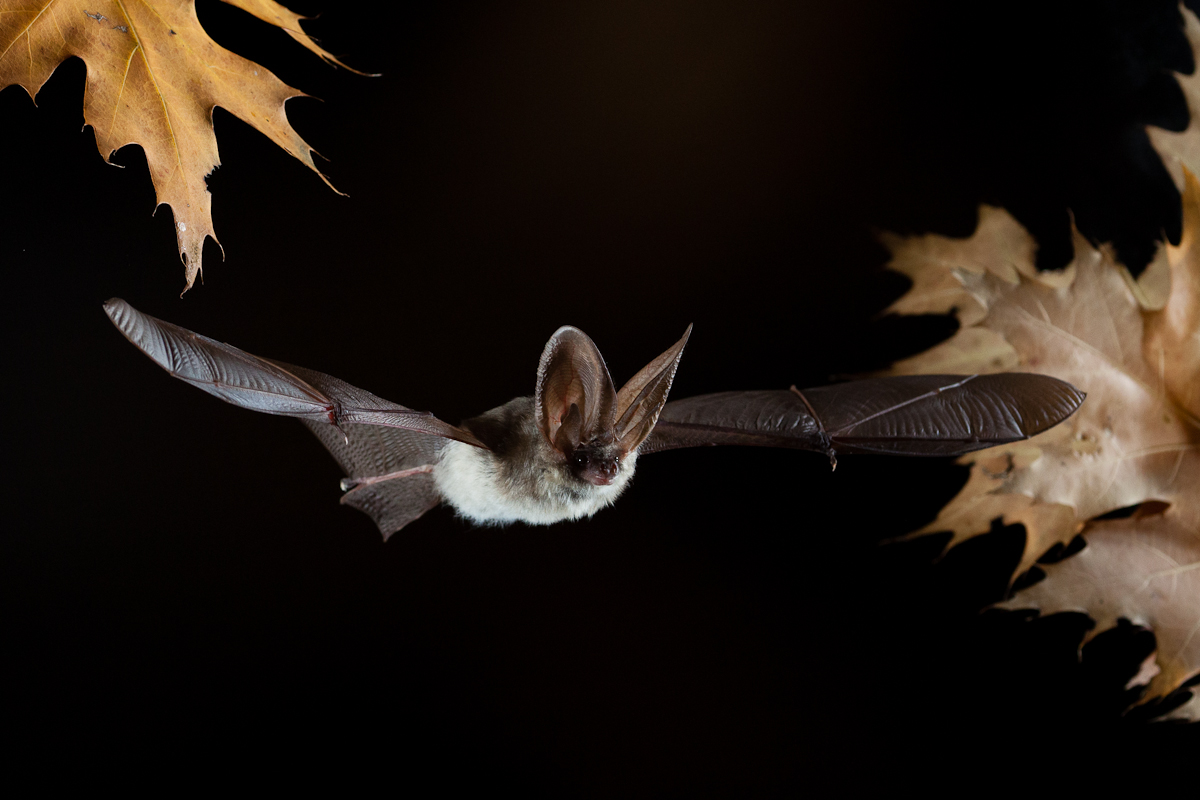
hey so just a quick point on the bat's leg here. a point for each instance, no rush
(352, 483)
(395, 499)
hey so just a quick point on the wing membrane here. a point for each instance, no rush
(930, 415)
(260, 384)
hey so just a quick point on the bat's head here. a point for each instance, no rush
(591, 425)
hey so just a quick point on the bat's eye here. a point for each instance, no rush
(580, 459)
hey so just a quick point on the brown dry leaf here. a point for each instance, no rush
(1180, 149)
(153, 79)
(1146, 570)
(1172, 344)
(1127, 444)
(1134, 347)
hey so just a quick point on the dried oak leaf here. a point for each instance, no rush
(1145, 569)
(1134, 348)
(1180, 149)
(153, 79)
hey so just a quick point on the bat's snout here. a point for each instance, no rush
(602, 471)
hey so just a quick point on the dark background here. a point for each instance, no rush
(179, 579)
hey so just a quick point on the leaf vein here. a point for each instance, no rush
(25, 32)
(1082, 345)
(154, 80)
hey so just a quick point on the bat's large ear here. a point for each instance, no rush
(640, 401)
(575, 400)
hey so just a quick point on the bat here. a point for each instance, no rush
(570, 449)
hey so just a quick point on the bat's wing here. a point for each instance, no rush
(916, 415)
(391, 470)
(387, 450)
(260, 384)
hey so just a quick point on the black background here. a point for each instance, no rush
(178, 578)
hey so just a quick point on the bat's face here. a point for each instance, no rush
(597, 462)
(583, 419)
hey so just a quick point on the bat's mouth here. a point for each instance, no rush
(601, 471)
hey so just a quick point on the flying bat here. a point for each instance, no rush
(570, 449)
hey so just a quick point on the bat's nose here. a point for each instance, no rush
(603, 471)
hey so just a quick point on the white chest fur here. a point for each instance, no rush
(487, 492)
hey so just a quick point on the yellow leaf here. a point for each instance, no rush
(153, 79)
